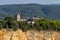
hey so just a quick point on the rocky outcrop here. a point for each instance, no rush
(29, 35)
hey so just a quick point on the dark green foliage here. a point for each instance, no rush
(40, 24)
(24, 26)
(10, 22)
(1, 26)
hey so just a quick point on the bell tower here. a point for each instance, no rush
(18, 16)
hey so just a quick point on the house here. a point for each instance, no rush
(30, 21)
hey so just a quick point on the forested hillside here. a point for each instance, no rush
(32, 10)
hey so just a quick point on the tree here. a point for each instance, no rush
(1, 26)
(10, 22)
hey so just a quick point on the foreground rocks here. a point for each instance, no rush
(29, 35)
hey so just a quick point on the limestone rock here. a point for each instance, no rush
(29, 35)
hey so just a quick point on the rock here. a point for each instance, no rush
(7, 35)
(29, 35)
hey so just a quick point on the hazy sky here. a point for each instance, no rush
(2, 2)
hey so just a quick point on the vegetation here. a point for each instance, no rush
(40, 24)
(47, 11)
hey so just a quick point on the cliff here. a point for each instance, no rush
(29, 35)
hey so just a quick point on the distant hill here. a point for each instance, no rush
(31, 10)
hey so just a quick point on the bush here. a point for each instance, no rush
(40, 24)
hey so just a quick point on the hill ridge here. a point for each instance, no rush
(38, 10)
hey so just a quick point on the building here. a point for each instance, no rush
(28, 19)
(17, 16)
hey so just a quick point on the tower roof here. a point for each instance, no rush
(17, 13)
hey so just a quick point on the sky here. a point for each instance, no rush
(4, 2)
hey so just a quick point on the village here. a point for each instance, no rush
(28, 19)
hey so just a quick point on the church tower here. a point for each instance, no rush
(18, 16)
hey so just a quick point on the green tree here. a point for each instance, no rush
(1, 26)
(10, 22)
